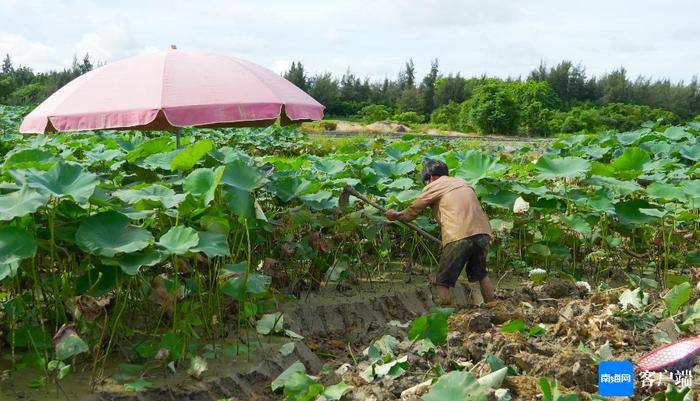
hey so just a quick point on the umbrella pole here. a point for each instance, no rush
(178, 134)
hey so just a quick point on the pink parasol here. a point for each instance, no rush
(170, 90)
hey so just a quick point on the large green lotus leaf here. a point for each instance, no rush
(578, 224)
(219, 224)
(677, 133)
(341, 182)
(30, 158)
(109, 233)
(456, 386)
(393, 169)
(594, 151)
(691, 152)
(104, 155)
(628, 138)
(660, 190)
(532, 188)
(401, 183)
(240, 202)
(503, 199)
(602, 170)
(432, 326)
(402, 150)
(659, 165)
(632, 159)
(131, 263)
(152, 147)
(203, 182)
(20, 203)
(694, 257)
(8, 270)
(15, 245)
(100, 280)
(658, 148)
(212, 244)
(155, 193)
(600, 202)
(403, 196)
(677, 297)
(329, 166)
(629, 214)
(65, 179)
(239, 174)
(159, 160)
(69, 345)
(289, 187)
(564, 167)
(476, 166)
(623, 188)
(570, 141)
(189, 156)
(691, 188)
(321, 200)
(179, 240)
(228, 154)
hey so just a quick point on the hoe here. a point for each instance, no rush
(344, 201)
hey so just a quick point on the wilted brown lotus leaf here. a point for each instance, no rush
(162, 296)
(65, 331)
(318, 243)
(287, 250)
(90, 307)
(272, 267)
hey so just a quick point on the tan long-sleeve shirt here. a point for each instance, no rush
(455, 206)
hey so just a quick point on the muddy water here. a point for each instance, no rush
(17, 384)
(332, 321)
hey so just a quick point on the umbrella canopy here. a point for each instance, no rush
(173, 89)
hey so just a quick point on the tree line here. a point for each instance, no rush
(21, 86)
(560, 98)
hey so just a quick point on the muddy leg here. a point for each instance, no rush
(486, 289)
(443, 295)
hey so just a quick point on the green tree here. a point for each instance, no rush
(427, 88)
(493, 109)
(410, 100)
(297, 76)
(450, 89)
(86, 64)
(375, 112)
(615, 87)
(7, 65)
(324, 88)
(407, 76)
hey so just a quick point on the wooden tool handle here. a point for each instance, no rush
(419, 230)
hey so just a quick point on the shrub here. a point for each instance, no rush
(375, 112)
(493, 109)
(328, 125)
(447, 116)
(409, 117)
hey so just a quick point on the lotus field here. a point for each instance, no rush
(117, 243)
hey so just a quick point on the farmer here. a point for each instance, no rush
(465, 228)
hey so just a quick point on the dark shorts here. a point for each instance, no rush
(468, 252)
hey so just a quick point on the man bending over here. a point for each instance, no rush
(464, 226)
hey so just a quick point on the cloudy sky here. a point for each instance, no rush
(373, 38)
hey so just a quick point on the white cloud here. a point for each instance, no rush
(111, 40)
(374, 38)
(29, 53)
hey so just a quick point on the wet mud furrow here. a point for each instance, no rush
(354, 320)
